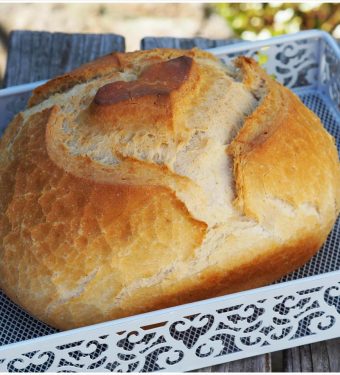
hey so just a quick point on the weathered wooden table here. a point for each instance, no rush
(34, 56)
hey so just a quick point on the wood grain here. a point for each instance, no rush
(261, 363)
(34, 56)
(322, 356)
(184, 43)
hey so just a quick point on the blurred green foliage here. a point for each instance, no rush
(263, 20)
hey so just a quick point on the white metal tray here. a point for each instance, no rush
(304, 307)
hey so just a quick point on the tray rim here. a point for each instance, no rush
(307, 34)
(13, 90)
(175, 309)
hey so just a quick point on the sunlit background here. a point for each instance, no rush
(134, 21)
(261, 21)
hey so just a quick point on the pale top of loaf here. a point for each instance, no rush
(149, 179)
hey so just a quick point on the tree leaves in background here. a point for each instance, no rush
(263, 20)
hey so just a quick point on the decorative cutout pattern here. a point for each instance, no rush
(294, 64)
(214, 333)
(330, 73)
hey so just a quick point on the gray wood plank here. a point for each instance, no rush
(319, 357)
(34, 56)
(184, 43)
(333, 350)
(261, 363)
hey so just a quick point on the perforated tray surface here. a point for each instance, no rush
(16, 325)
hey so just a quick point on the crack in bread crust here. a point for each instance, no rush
(191, 149)
(212, 199)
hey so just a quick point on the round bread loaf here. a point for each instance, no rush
(155, 178)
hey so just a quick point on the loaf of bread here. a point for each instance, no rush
(151, 179)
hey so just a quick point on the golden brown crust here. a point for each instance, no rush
(261, 270)
(283, 141)
(93, 233)
(94, 69)
(81, 229)
(101, 67)
(159, 94)
(157, 79)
